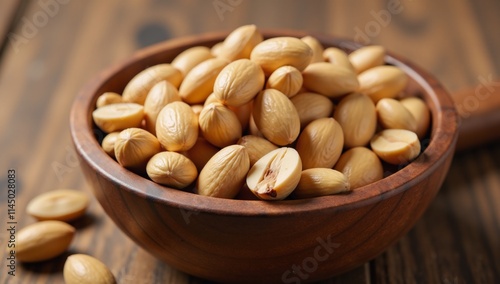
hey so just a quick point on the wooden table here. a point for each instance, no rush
(51, 48)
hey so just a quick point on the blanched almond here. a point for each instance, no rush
(329, 80)
(276, 117)
(43, 240)
(85, 269)
(224, 174)
(392, 114)
(189, 58)
(199, 82)
(338, 57)
(320, 143)
(275, 175)
(238, 82)
(171, 169)
(361, 166)
(316, 47)
(61, 204)
(367, 57)
(138, 88)
(240, 43)
(134, 147)
(382, 82)
(108, 98)
(159, 96)
(286, 79)
(280, 51)
(396, 146)
(256, 147)
(108, 143)
(357, 115)
(219, 125)
(177, 127)
(201, 152)
(420, 112)
(319, 182)
(116, 117)
(312, 106)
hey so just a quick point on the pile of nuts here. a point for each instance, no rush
(282, 117)
(52, 235)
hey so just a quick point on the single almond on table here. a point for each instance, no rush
(138, 88)
(312, 106)
(275, 52)
(61, 204)
(224, 174)
(396, 146)
(116, 117)
(238, 82)
(320, 143)
(276, 174)
(177, 127)
(276, 117)
(43, 240)
(85, 269)
(361, 166)
(357, 115)
(329, 80)
(171, 169)
(319, 182)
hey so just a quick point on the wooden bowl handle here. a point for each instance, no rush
(479, 110)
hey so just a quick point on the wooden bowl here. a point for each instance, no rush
(256, 241)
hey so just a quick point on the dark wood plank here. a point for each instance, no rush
(456, 240)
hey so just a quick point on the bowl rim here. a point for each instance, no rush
(445, 121)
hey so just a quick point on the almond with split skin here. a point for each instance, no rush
(85, 269)
(138, 88)
(239, 43)
(312, 106)
(238, 82)
(361, 166)
(420, 112)
(171, 169)
(276, 117)
(316, 47)
(177, 127)
(219, 125)
(367, 57)
(43, 240)
(256, 147)
(320, 143)
(62, 205)
(382, 82)
(357, 115)
(134, 147)
(280, 51)
(329, 80)
(159, 96)
(286, 79)
(116, 117)
(396, 146)
(276, 174)
(393, 115)
(189, 58)
(338, 57)
(108, 98)
(319, 182)
(224, 174)
(199, 82)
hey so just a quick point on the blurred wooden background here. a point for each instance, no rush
(51, 48)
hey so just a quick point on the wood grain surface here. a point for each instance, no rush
(51, 48)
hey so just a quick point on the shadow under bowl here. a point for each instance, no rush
(256, 241)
